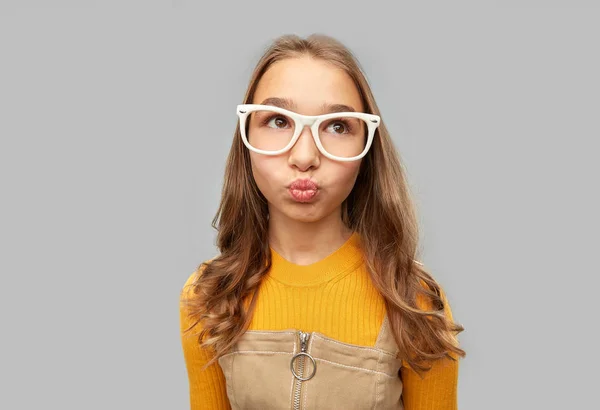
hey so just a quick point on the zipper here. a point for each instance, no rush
(299, 375)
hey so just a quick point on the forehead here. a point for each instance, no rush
(309, 84)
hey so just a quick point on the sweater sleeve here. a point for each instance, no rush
(207, 388)
(438, 388)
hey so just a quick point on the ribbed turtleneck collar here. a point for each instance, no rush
(345, 258)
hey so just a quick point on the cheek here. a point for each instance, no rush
(343, 179)
(266, 173)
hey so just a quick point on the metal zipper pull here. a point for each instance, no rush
(304, 336)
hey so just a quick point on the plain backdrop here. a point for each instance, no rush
(116, 118)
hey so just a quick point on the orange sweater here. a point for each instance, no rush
(334, 296)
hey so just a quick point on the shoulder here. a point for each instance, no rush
(198, 272)
(187, 298)
(188, 286)
(425, 303)
(191, 279)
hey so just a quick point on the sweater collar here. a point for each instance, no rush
(347, 257)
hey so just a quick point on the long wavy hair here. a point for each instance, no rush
(379, 207)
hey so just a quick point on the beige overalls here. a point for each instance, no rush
(292, 369)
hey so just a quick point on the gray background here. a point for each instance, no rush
(115, 121)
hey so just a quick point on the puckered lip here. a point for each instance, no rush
(304, 184)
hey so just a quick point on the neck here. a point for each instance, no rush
(305, 242)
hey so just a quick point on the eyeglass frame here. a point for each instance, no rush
(313, 121)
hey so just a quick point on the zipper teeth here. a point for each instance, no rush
(299, 384)
(300, 372)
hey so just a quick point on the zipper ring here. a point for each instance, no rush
(292, 366)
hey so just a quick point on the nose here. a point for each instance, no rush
(305, 152)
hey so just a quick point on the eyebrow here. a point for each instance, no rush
(289, 104)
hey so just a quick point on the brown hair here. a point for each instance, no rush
(379, 208)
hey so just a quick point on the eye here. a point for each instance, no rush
(339, 127)
(277, 122)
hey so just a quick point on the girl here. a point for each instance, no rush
(316, 300)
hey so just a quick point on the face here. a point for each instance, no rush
(308, 83)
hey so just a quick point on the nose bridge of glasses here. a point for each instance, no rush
(306, 121)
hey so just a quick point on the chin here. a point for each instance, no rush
(302, 212)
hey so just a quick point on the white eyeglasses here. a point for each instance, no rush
(341, 136)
